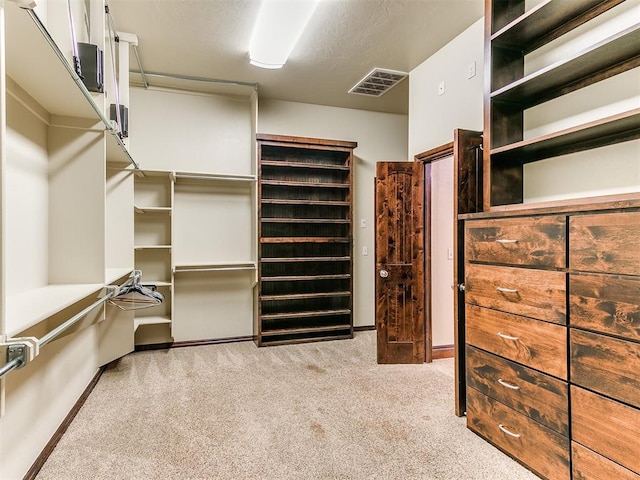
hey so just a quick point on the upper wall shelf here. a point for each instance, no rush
(30, 52)
(36, 63)
(605, 131)
(183, 177)
(612, 56)
(546, 22)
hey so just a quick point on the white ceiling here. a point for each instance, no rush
(344, 40)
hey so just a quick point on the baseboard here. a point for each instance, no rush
(51, 445)
(193, 343)
(364, 328)
(443, 351)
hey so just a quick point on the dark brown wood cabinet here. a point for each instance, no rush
(305, 240)
(512, 33)
(530, 370)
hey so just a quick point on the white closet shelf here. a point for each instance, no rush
(117, 152)
(38, 67)
(153, 247)
(158, 283)
(213, 177)
(143, 210)
(26, 309)
(215, 267)
(150, 320)
(113, 274)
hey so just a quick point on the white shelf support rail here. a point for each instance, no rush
(227, 267)
(21, 351)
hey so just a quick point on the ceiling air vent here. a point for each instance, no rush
(378, 82)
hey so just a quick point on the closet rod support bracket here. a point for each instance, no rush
(18, 352)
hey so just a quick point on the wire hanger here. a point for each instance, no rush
(132, 295)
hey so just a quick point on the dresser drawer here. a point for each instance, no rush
(533, 241)
(606, 365)
(588, 465)
(532, 293)
(533, 343)
(606, 303)
(606, 427)
(606, 243)
(541, 397)
(540, 448)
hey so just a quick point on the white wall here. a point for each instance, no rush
(432, 120)
(380, 137)
(433, 117)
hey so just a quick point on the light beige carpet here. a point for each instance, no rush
(310, 411)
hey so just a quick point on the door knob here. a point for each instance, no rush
(384, 273)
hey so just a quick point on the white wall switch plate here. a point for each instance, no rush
(471, 70)
(365, 251)
(441, 88)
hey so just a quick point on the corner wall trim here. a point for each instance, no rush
(55, 438)
(443, 351)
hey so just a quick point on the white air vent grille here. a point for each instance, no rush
(378, 82)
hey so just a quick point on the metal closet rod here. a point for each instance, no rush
(56, 332)
(76, 78)
(190, 78)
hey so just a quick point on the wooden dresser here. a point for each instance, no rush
(553, 337)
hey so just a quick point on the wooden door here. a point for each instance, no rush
(467, 178)
(400, 263)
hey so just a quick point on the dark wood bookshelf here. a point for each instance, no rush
(305, 230)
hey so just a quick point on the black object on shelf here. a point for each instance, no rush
(123, 127)
(92, 61)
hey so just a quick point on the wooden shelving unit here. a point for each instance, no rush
(305, 240)
(511, 33)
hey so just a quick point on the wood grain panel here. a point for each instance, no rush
(606, 427)
(535, 344)
(540, 448)
(541, 397)
(532, 241)
(605, 243)
(606, 303)
(606, 365)
(588, 465)
(532, 293)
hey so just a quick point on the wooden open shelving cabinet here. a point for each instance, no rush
(512, 33)
(305, 240)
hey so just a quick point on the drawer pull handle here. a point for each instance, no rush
(506, 240)
(501, 427)
(508, 385)
(507, 337)
(506, 290)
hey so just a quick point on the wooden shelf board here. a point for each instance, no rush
(301, 339)
(306, 220)
(26, 309)
(310, 166)
(287, 201)
(304, 240)
(313, 313)
(156, 283)
(35, 65)
(201, 178)
(153, 247)
(303, 296)
(619, 52)
(284, 183)
(304, 259)
(150, 320)
(547, 21)
(298, 331)
(293, 278)
(606, 131)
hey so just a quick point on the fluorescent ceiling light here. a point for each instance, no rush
(278, 27)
